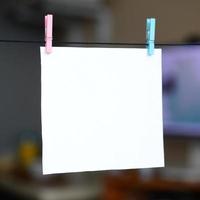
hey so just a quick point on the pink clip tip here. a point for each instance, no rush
(48, 33)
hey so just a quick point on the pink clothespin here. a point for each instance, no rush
(48, 33)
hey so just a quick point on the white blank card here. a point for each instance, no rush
(101, 109)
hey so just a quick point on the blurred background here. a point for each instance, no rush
(100, 21)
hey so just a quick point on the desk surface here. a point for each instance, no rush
(39, 192)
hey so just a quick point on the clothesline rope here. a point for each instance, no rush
(96, 43)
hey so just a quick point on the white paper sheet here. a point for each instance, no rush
(101, 109)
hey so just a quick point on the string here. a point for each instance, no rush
(96, 43)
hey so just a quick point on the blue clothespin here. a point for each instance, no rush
(150, 35)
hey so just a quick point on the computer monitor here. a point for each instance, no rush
(181, 90)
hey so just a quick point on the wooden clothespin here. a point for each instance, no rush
(150, 35)
(48, 33)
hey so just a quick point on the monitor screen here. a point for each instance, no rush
(181, 90)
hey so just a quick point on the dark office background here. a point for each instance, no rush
(116, 21)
